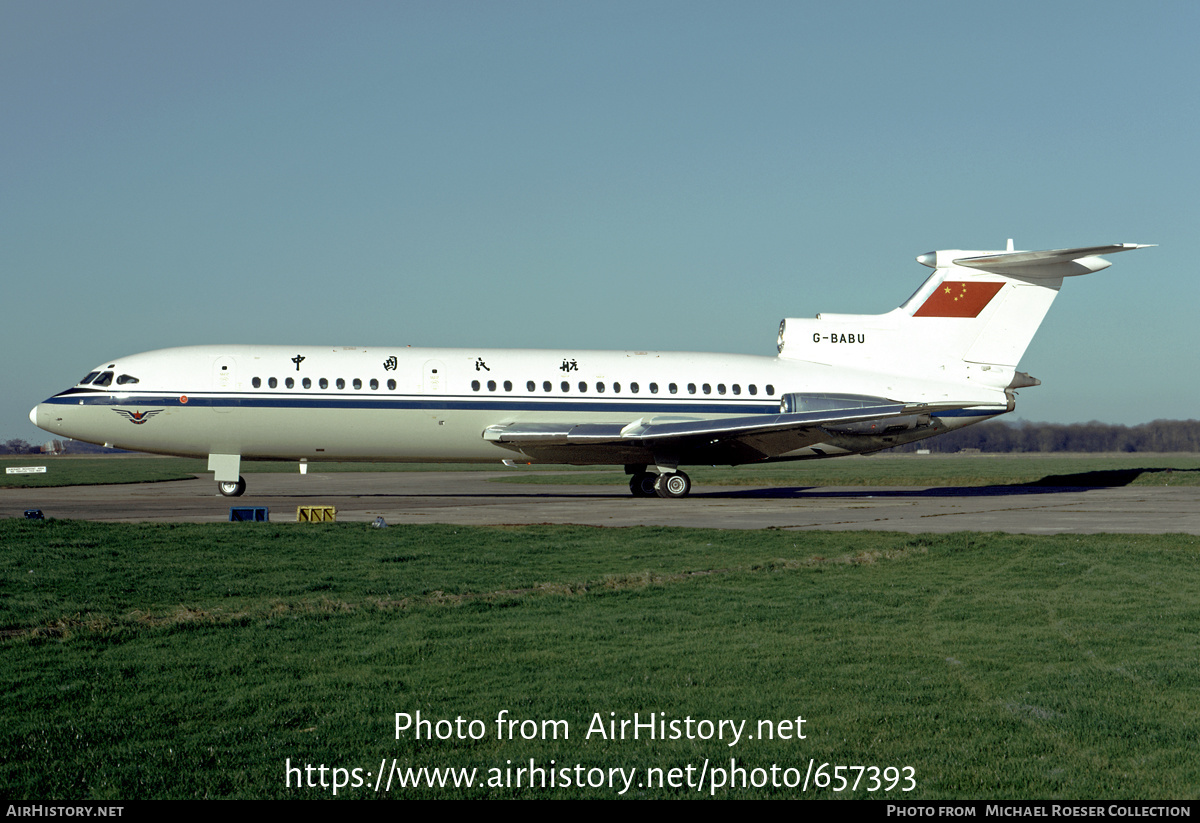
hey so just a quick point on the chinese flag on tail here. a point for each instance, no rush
(957, 298)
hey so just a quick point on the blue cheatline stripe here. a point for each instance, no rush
(452, 403)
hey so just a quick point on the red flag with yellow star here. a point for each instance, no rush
(957, 298)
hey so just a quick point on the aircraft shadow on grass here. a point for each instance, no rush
(1050, 484)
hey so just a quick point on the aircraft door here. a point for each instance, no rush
(224, 379)
(434, 380)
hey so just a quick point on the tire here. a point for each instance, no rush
(676, 484)
(231, 488)
(642, 484)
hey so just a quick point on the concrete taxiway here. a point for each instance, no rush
(470, 498)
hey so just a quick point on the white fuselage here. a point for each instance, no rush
(433, 405)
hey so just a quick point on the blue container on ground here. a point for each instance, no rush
(248, 514)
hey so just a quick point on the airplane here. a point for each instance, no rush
(839, 384)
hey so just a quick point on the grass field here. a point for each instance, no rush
(135, 468)
(878, 470)
(181, 661)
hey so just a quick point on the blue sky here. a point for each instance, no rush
(649, 175)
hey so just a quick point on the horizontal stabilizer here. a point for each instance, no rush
(1049, 263)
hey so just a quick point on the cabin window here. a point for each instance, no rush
(707, 389)
(272, 382)
(691, 388)
(753, 389)
(324, 383)
(546, 386)
(582, 386)
(256, 382)
(530, 386)
(491, 385)
(341, 384)
(290, 383)
(737, 389)
(508, 385)
(600, 387)
(374, 384)
(720, 388)
(307, 383)
(474, 385)
(770, 390)
(566, 387)
(673, 389)
(617, 388)
(391, 385)
(357, 384)
(633, 387)
(654, 388)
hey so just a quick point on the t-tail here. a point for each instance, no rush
(962, 333)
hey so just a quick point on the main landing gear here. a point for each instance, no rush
(649, 484)
(233, 488)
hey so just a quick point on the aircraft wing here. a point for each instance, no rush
(735, 439)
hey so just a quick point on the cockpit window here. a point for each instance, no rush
(126, 379)
(104, 379)
(90, 377)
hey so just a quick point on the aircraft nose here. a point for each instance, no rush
(33, 415)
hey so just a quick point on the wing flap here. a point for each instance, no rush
(676, 434)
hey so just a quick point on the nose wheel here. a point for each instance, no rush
(233, 488)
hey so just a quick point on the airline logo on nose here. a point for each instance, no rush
(137, 418)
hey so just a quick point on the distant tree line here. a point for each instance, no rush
(998, 437)
(16, 446)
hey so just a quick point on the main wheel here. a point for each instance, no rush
(675, 484)
(231, 488)
(642, 484)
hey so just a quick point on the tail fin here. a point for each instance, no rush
(971, 320)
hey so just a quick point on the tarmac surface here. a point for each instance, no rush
(469, 498)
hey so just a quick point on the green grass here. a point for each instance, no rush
(879, 470)
(110, 469)
(92, 471)
(194, 661)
